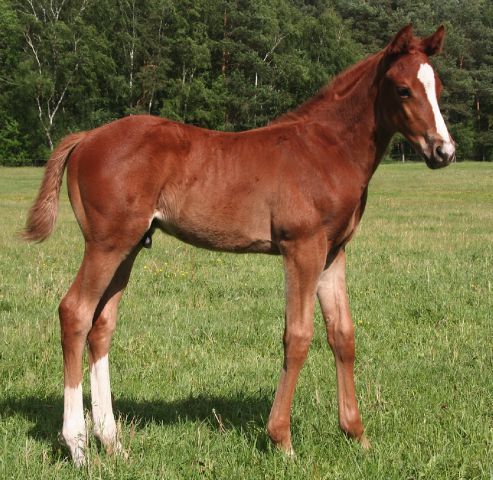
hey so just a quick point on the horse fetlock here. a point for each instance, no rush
(350, 423)
(107, 434)
(75, 439)
(280, 434)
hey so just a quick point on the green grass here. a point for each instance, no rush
(201, 332)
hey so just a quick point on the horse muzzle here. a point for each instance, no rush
(440, 153)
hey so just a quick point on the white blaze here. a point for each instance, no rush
(426, 76)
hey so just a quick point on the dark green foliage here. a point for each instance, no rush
(221, 64)
(12, 144)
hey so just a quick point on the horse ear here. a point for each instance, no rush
(434, 43)
(402, 41)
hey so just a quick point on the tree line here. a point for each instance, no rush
(68, 65)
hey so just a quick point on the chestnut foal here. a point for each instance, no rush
(296, 187)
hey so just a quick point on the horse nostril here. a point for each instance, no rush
(441, 154)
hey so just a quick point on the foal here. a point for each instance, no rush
(296, 187)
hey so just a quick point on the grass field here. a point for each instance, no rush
(200, 332)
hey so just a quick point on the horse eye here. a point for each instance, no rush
(403, 92)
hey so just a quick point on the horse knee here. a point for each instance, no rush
(104, 324)
(100, 334)
(297, 342)
(341, 340)
(74, 320)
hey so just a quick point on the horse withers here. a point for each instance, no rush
(295, 188)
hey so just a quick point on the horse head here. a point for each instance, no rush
(409, 93)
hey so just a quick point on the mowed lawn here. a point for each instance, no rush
(197, 352)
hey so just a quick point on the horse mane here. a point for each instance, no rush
(341, 86)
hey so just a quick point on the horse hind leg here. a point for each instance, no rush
(99, 340)
(76, 313)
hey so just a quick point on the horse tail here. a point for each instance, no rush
(42, 216)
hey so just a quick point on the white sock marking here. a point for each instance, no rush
(426, 76)
(74, 428)
(102, 409)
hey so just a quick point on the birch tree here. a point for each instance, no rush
(51, 41)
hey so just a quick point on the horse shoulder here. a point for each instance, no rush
(341, 201)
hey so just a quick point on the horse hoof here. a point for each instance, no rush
(364, 442)
(289, 452)
(117, 450)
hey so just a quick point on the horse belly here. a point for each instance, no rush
(220, 222)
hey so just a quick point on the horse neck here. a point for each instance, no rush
(348, 110)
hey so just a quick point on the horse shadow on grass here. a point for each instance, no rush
(242, 413)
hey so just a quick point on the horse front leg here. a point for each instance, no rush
(334, 303)
(303, 264)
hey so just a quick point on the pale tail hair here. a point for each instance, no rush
(42, 216)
